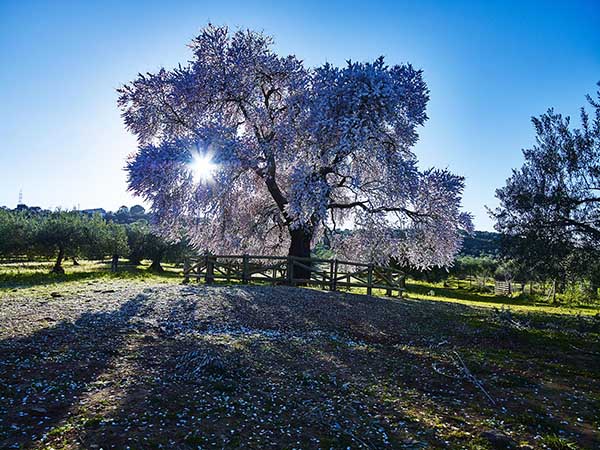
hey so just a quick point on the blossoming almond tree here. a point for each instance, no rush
(289, 153)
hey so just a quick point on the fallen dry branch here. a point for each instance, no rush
(436, 369)
(587, 352)
(469, 375)
(466, 373)
(504, 316)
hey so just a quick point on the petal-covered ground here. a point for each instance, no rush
(116, 364)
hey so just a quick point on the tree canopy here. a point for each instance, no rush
(296, 152)
(17, 231)
(550, 207)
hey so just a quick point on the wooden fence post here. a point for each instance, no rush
(245, 269)
(205, 266)
(186, 271)
(209, 269)
(291, 271)
(402, 285)
(531, 287)
(388, 291)
(370, 280)
(334, 275)
(331, 274)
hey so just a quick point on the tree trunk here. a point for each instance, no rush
(58, 265)
(114, 263)
(300, 247)
(155, 266)
(594, 285)
(561, 283)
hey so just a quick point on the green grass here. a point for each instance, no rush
(554, 442)
(36, 275)
(422, 290)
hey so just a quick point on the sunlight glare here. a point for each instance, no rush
(203, 168)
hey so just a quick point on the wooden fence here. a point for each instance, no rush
(511, 287)
(503, 287)
(329, 274)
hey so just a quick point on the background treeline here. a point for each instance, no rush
(30, 233)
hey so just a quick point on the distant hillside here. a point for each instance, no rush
(123, 215)
(481, 243)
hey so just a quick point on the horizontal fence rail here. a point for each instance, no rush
(331, 274)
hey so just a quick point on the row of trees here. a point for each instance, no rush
(73, 234)
(32, 232)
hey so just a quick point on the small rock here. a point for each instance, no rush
(413, 443)
(498, 440)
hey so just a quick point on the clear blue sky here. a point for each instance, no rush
(489, 65)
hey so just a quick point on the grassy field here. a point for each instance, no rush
(465, 296)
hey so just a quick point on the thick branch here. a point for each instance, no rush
(373, 210)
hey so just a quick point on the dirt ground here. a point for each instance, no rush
(116, 364)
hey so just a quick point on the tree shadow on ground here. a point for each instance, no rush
(43, 375)
(273, 367)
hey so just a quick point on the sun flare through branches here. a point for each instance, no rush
(202, 167)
